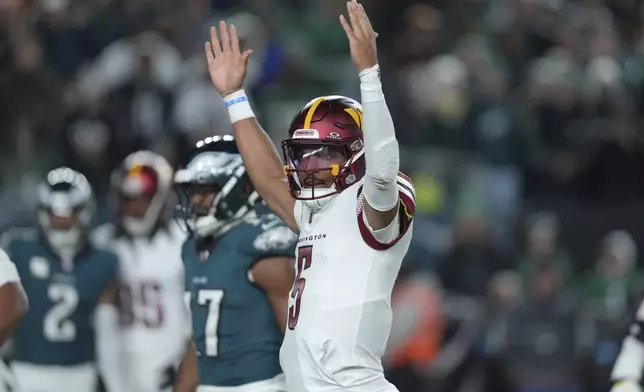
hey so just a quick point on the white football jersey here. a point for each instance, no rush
(153, 317)
(339, 311)
(8, 271)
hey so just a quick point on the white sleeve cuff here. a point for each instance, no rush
(8, 270)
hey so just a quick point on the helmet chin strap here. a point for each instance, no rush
(207, 225)
(210, 226)
(138, 227)
(323, 197)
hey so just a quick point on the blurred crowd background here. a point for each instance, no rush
(519, 122)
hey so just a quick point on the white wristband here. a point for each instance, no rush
(238, 106)
(370, 75)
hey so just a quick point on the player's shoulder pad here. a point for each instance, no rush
(102, 236)
(16, 236)
(407, 194)
(407, 209)
(269, 236)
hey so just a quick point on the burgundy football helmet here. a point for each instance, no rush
(322, 131)
(142, 175)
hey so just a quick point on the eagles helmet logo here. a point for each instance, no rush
(276, 238)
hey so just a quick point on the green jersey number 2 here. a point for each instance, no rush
(57, 326)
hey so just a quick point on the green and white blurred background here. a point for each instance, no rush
(520, 122)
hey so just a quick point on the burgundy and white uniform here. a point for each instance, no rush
(340, 312)
(153, 318)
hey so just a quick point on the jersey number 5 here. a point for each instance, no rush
(304, 254)
(142, 303)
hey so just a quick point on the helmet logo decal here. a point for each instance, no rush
(306, 134)
(334, 135)
(356, 114)
(355, 146)
(207, 165)
(136, 169)
(309, 114)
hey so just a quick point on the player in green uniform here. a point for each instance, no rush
(239, 271)
(66, 279)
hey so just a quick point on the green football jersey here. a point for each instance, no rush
(58, 328)
(234, 327)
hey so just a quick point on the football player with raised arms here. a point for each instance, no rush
(342, 192)
(144, 332)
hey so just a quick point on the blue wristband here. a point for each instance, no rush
(236, 101)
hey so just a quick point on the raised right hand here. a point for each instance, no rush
(226, 64)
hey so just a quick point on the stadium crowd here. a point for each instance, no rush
(519, 122)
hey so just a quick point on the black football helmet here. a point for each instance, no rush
(215, 175)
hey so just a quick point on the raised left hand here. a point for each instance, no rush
(362, 38)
